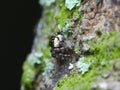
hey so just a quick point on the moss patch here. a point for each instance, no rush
(65, 16)
(28, 75)
(36, 62)
(102, 50)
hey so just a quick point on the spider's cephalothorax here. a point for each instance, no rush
(56, 41)
(61, 48)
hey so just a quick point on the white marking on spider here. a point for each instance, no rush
(56, 42)
(70, 66)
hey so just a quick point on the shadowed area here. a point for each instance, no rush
(21, 23)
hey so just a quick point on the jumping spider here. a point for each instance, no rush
(61, 47)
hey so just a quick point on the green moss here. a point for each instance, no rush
(103, 49)
(107, 47)
(36, 62)
(65, 16)
(28, 75)
(59, 15)
(76, 82)
(32, 65)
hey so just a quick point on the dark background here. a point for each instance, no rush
(19, 18)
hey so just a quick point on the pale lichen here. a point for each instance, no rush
(48, 68)
(82, 66)
(70, 4)
(46, 2)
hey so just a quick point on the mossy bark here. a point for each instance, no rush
(90, 30)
